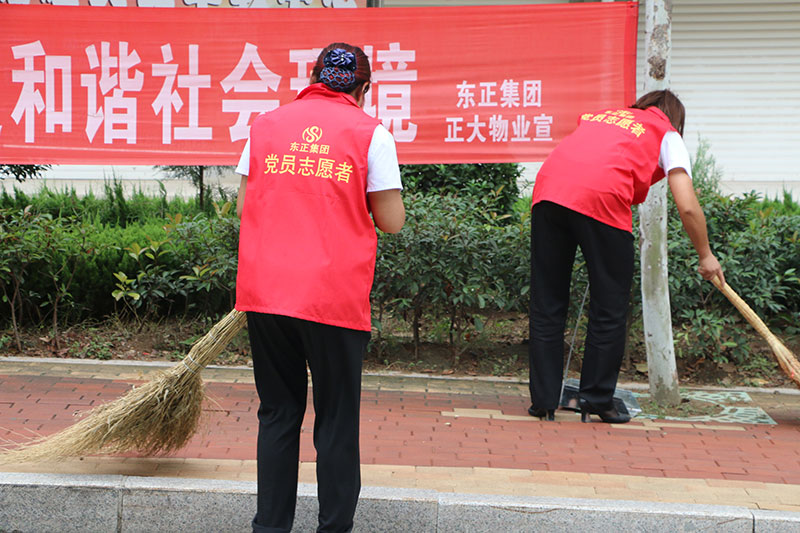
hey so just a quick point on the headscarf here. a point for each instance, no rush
(339, 72)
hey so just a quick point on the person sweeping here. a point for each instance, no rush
(313, 171)
(582, 198)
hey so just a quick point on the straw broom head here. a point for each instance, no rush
(786, 359)
(156, 418)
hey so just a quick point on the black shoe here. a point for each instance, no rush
(542, 414)
(609, 415)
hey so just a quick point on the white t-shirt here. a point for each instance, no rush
(383, 171)
(674, 153)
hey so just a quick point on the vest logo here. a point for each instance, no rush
(621, 118)
(312, 134)
(308, 159)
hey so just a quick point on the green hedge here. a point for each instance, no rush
(760, 254)
(449, 262)
(459, 260)
(492, 188)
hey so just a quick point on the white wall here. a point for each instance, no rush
(85, 178)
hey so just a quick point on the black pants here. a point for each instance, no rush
(556, 233)
(281, 347)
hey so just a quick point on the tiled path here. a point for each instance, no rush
(449, 435)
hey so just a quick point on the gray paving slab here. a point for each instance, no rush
(36, 503)
(478, 514)
(41, 503)
(379, 510)
(396, 510)
(186, 505)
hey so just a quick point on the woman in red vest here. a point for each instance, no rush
(319, 174)
(582, 197)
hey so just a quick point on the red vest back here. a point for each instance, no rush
(606, 165)
(307, 242)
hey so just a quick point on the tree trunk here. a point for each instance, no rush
(14, 325)
(661, 367)
(415, 327)
(56, 343)
(202, 187)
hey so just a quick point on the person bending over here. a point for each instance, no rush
(582, 198)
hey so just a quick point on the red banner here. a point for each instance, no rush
(240, 4)
(100, 85)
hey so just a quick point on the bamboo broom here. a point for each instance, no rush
(785, 357)
(155, 418)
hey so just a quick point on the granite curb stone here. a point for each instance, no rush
(776, 521)
(34, 503)
(477, 514)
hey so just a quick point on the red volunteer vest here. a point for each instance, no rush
(606, 165)
(307, 242)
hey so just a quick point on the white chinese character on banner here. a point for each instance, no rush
(52, 116)
(202, 3)
(194, 82)
(509, 93)
(339, 3)
(115, 3)
(267, 81)
(168, 98)
(466, 95)
(295, 3)
(532, 93)
(305, 60)
(155, 3)
(249, 3)
(498, 128)
(476, 126)
(30, 100)
(487, 94)
(394, 99)
(60, 2)
(453, 129)
(520, 127)
(118, 113)
(543, 123)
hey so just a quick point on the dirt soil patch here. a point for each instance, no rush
(501, 349)
(688, 407)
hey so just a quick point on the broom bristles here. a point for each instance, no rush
(786, 359)
(155, 418)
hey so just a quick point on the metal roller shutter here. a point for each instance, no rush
(736, 67)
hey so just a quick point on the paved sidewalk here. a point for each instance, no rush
(463, 436)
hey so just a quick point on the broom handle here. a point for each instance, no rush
(743, 308)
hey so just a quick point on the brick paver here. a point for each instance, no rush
(446, 435)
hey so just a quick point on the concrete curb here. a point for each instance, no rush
(35, 503)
